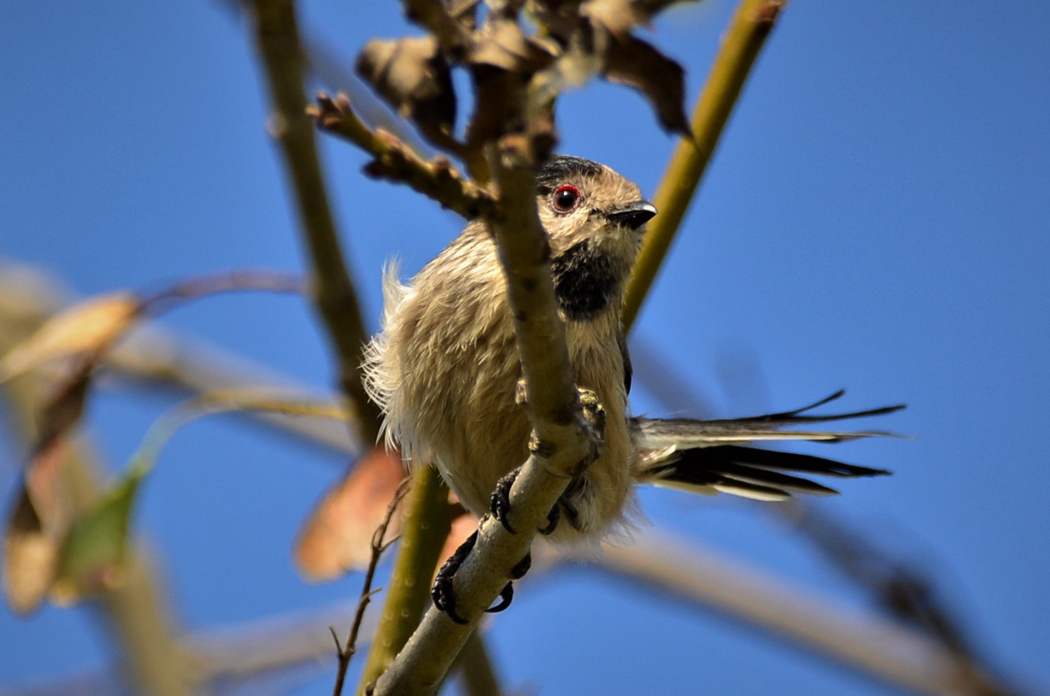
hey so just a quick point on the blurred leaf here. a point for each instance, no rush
(95, 545)
(637, 64)
(502, 44)
(37, 524)
(94, 550)
(65, 405)
(622, 16)
(84, 327)
(337, 537)
(30, 555)
(413, 76)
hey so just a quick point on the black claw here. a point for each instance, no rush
(506, 596)
(500, 504)
(552, 520)
(441, 591)
(522, 567)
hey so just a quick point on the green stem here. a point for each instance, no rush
(747, 33)
(424, 529)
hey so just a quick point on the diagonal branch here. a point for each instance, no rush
(397, 161)
(563, 440)
(752, 24)
(335, 297)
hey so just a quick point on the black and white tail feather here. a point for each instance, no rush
(707, 456)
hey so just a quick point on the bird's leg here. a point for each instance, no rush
(500, 504)
(445, 597)
(441, 591)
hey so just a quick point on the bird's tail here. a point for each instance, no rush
(708, 456)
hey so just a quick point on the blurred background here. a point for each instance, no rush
(876, 219)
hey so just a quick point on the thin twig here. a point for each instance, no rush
(397, 161)
(753, 22)
(346, 651)
(424, 529)
(224, 282)
(335, 297)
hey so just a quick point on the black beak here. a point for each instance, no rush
(634, 215)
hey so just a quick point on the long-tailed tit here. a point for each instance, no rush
(445, 367)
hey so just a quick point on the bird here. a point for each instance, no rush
(445, 369)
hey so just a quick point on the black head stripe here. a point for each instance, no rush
(561, 167)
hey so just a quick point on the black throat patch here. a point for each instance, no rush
(585, 281)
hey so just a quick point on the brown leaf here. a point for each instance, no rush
(622, 16)
(84, 327)
(502, 44)
(635, 63)
(65, 405)
(413, 76)
(34, 531)
(30, 558)
(337, 537)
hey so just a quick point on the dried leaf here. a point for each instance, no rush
(35, 529)
(66, 404)
(413, 76)
(337, 537)
(502, 44)
(622, 16)
(84, 327)
(635, 63)
(30, 557)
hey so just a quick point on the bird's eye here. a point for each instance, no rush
(565, 199)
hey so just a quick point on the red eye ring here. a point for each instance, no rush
(565, 198)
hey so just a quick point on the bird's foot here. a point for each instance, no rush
(441, 591)
(444, 595)
(500, 505)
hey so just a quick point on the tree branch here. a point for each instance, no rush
(563, 440)
(753, 22)
(888, 651)
(397, 161)
(335, 297)
(346, 651)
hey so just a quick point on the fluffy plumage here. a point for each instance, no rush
(445, 366)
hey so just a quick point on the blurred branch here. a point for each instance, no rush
(892, 653)
(335, 297)
(397, 161)
(753, 22)
(901, 590)
(474, 667)
(380, 544)
(424, 529)
(135, 613)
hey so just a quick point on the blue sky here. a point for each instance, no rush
(876, 218)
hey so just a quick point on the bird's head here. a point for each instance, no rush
(595, 219)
